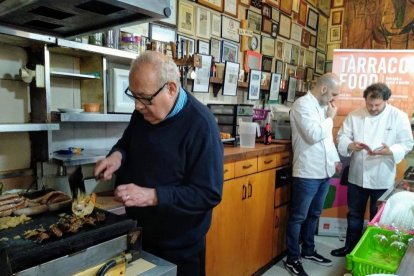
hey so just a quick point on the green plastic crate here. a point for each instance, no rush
(365, 259)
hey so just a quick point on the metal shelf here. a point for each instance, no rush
(89, 117)
(21, 38)
(66, 75)
(85, 157)
(27, 127)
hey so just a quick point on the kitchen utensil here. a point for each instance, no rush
(76, 182)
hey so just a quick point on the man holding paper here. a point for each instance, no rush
(377, 137)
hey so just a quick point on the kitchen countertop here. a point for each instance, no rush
(237, 153)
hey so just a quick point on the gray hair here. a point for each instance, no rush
(329, 79)
(166, 69)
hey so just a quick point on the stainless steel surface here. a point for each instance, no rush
(118, 210)
(22, 38)
(76, 17)
(16, 173)
(66, 75)
(406, 267)
(90, 257)
(89, 117)
(27, 127)
(163, 267)
(86, 157)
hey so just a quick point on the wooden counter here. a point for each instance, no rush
(237, 153)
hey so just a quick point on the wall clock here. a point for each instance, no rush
(254, 43)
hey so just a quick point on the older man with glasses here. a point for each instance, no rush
(168, 164)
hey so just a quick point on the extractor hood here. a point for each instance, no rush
(69, 18)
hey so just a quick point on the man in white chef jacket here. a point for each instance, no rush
(376, 137)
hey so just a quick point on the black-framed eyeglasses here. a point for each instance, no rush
(144, 100)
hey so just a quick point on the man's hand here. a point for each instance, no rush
(355, 146)
(134, 195)
(332, 109)
(106, 167)
(384, 150)
(338, 167)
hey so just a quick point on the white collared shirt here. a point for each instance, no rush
(391, 127)
(314, 152)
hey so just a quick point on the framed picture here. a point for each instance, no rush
(312, 41)
(286, 6)
(266, 11)
(214, 4)
(172, 20)
(267, 64)
(254, 21)
(274, 86)
(324, 6)
(290, 71)
(275, 29)
(312, 2)
(231, 75)
(294, 56)
(300, 73)
(229, 51)
(308, 74)
(287, 51)
(279, 67)
(266, 26)
(279, 49)
(305, 38)
(203, 47)
(320, 63)
(230, 28)
(285, 26)
(201, 82)
(215, 47)
(303, 9)
(337, 3)
(329, 51)
(256, 3)
(215, 25)
(309, 58)
(186, 18)
(203, 23)
(291, 89)
(273, 3)
(301, 61)
(336, 17)
(255, 78)
(335, 34)
(185, 43)
(252, 60)
(162, 33)
(296, 33)
(275, 15)
(322, 33)
(312, 20)
(295, 6)
(268, 46)
(231, 7)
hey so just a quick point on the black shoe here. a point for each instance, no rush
(295, 268)
(319, 259)
(342, 252)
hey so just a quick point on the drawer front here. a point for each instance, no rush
(266, 162)
(282, 159)
(282, 195)
(228, 171)
(245, 167)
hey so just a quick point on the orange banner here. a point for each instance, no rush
(357, 69)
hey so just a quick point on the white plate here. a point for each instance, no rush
(70, 110)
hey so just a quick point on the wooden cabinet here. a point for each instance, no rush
(279, 231)
(240, 240)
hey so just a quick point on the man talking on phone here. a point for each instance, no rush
(376, 137)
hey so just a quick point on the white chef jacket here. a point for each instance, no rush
(391, 127)
(314, 152)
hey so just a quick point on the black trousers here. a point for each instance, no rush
(193, 266)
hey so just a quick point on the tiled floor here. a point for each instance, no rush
(324, 245)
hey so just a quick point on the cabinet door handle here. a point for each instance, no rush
(250, 190)
(285, 158)
(268, 161)
(247, 166)
(226, 170)
(244, 192)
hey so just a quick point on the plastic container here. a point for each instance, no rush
(365, 259)
(247, 132)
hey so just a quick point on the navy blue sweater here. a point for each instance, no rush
(182, 158)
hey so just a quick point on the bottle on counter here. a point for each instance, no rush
(267, 137)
